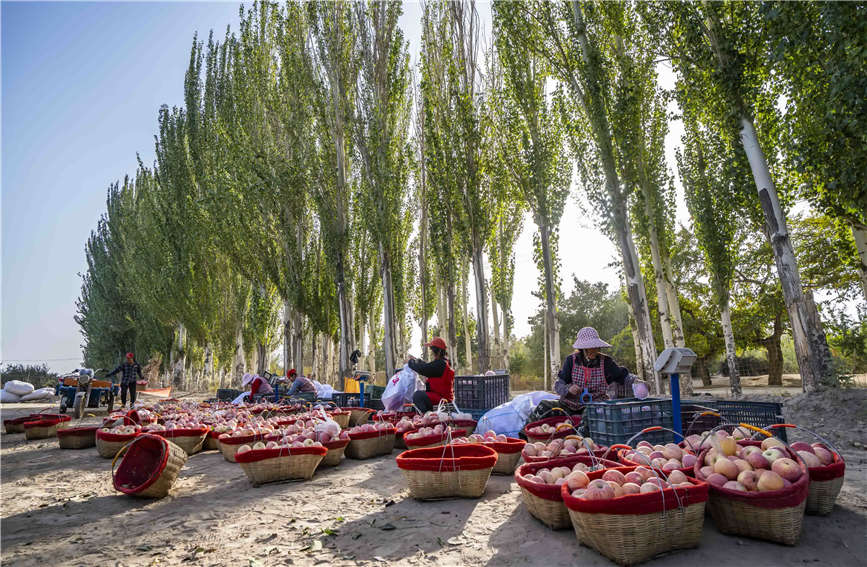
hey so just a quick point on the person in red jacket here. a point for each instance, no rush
(438, 377)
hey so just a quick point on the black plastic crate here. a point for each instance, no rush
(616, 421)
(227, 394)
(760, 414)
(343, 399)
(481, 392)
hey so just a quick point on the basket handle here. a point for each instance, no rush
(123, 449)
(811, 432)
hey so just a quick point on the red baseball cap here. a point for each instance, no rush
(291, 372)
(437, 342)
(130, 355)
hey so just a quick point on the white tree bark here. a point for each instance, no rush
(552, 327)
(859, 233)
(240, 361)
(673, 302)
(729, 338)
(811, 347)
(661, 294)
(468, 340)
(497, 350)
(371, 353)
(482, 331)
(388, 312)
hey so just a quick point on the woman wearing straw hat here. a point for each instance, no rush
(587, 374)
(438, 377)
(258, 386)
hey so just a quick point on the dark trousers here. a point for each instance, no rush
(422, 401)
(123, 388)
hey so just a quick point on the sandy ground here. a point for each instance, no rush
(58, 507)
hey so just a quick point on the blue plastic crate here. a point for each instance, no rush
(616, 421)
(481, 391)
(760, 414)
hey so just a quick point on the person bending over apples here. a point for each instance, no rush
(438, 376)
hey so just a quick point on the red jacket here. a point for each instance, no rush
(442, 387)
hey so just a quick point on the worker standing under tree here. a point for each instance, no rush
(438, 376)
(129, 370)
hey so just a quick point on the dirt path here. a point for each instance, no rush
(58, 507)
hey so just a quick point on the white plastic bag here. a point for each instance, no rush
(399, 389)
(8, 397)
(40, 394)
(509, 418)
(240, 399)
(18, 387)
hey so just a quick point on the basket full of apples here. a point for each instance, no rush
(508, 449)
(540, 485)
(632, 514)
(757, 489)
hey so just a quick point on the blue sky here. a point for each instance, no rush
(81, 86)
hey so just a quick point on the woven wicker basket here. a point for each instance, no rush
(552, 513)
(44, 427)
(16, 425)
(342, 419)
(371, 447)
(399, 442)
(823, 496)
(634, 528)
(211, 442)
(231, 445)
(734, 514)
(190, 440)
(432, 440)
(628, 539)
(335, 453)
(507, 463)
(455, 471)
(358, 416)
(272, 465)
(77, 437)
(168, 463)
(108, 444)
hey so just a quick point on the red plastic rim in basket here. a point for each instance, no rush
(601, 453)
(46, 422)
(255, 455)
(552, 491)
(241, 440)
(336, 444)
(431, 439)
(108, 436)
(393, 418)
(642, 503)
(142, 464)
(510, 446)
(621, 456)
(786, 497)
(192, 432)
(836, 469)
(448, 458)
(563, 432)
(371, 434)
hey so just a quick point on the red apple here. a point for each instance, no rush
(614, 476)
(649, 487)
(717, 479)
(771, 442)
(787, 468)
(772, 455)
(757, 460)
(769, 481)
(726, 468)
(631, 488)
(743, 465)
(749, 479)
(689, 460)
(810, 459)
(825, 456)
(749, 449)
(634, 477)
(799, 446)
(734, 485)
(705, 471)
(677, 477)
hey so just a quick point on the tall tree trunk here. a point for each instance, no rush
(497, 350)
(700, 370)
(450, 315)
(774, 348)
(619, 209)
(661, 295)
(553, 325)
(388, 312)
(371, 354)
(545, 357)
(288, 360)
(468, 340)
(442, 321)
(859, 233)
(676, 319)
(209, 365)
(239, 363)
(261, 359)
(345, 313)
(729, 337)
(297, 341)
(506, 340)
(811, 347)
(636, 344)
(314, 360)
(481, 310)
(178, 371)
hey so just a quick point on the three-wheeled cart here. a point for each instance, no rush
(78, 394)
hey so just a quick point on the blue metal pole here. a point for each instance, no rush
(361, 393)
(675, 406)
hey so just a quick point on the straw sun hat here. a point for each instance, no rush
(589, 338)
